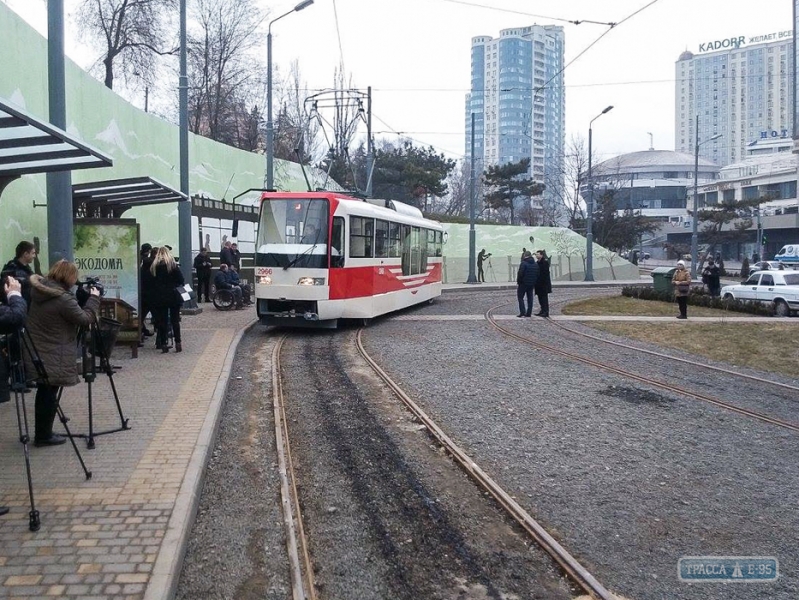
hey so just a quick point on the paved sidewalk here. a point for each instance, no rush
(118, 535)
(635, 318)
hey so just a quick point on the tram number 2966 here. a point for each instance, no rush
(262, 271)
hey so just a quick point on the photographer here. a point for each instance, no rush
(480, 258)
(19, 267)
(12, 317)
(53, 322)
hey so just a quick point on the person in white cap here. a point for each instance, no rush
(682, 286)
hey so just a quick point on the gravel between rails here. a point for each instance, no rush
(388, 515)
(237, 545)
(628, 477)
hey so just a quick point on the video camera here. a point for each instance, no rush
(84, 289)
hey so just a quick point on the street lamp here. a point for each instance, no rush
(589, 236)
(270, 139)
(694, 235)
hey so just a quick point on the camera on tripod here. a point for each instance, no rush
(84, 289)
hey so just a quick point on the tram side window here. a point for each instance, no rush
(395, 240)
(439, 244)
(361, 237)
(337, 244)
(382, 241)
(405, 235)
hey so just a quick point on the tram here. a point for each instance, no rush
(322, 256)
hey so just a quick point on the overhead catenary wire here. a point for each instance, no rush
(526, 14)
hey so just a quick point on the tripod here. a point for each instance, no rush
(15, 345)
(93, 351)
(491, 273)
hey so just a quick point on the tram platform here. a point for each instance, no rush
(118, 535)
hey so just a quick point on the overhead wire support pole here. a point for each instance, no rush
(472, 234)
(589, 212)
(59, 185)
(184, 208)
(370, 150)
(269, 181)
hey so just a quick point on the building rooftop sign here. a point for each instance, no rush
(742, 40)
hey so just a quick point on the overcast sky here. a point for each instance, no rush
(416, 56)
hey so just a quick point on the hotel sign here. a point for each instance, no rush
(741, 40)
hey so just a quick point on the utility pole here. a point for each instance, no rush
(370, 150)
(472, 234)
(60, 233)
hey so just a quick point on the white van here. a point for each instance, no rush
(789, 254)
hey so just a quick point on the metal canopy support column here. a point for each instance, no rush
(59, 192)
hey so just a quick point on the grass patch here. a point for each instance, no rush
(764, 346)
(623, 306)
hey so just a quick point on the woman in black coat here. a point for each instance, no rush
(165, 301)
(543, 286)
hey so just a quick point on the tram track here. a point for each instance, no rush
(713, 368)
(297, 545)
(637, 377)
(301, 568)
(570, 565)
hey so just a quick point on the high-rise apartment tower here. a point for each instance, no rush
(741, 88)
(519, 102)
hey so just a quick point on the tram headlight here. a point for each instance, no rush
(264, 279)
(311, 281)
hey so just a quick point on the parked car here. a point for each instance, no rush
(764, 265)
(780, 288)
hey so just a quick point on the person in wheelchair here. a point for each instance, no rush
(246, 291)
(222, 282)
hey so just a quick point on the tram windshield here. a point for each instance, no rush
(293, 233)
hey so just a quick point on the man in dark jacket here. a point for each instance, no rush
(20, 269)
(711, 277)
(12, 317)
(235, 256)
(481, 257)
(235, 280)
(222, 282)
(226, 255)
(525, 283)
(203, 266)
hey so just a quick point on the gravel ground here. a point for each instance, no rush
(628, 477)
(387, 514)
(237, 546)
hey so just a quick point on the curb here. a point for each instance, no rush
(166, 570)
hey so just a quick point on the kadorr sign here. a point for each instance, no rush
(742, 40)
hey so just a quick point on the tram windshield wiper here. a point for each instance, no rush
(299, 256)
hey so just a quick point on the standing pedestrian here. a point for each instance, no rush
(682, 286)
(235, 256)
(226, 254)
(525, 283)
(53, 323)
(203, 266)
(711, 277)
(165, 300)
(19, 267)
(543, 285)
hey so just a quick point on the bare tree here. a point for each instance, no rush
(132, 34)
(224, 70)
(456, 203)
(295, 128)
(563, 188)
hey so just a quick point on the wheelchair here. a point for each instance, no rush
(223, 299)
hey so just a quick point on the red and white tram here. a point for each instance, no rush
(323, 256)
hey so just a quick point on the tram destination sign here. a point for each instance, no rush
(743, 40)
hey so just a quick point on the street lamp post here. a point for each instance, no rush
(589, 235)
(694, 235)
(270, 134)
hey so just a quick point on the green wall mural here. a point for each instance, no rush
(141, 144)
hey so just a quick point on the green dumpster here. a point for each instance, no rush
(661, 278)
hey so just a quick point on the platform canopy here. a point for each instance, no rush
(111, 198)
(30, 145)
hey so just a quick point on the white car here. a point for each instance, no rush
(780, 288)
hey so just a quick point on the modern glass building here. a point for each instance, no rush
(741, 88)
(518, 99)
